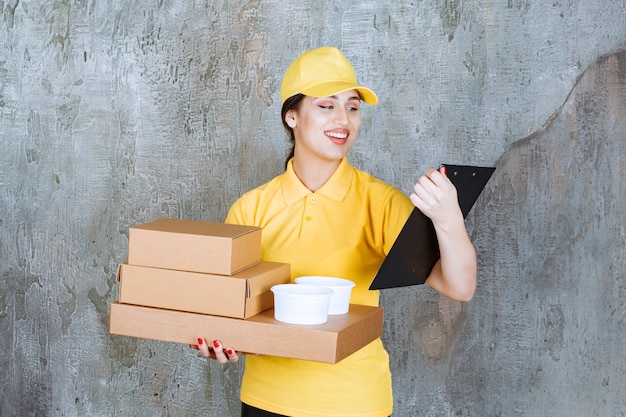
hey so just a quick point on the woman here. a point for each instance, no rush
(324, 217)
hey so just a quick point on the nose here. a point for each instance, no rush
(341, 115)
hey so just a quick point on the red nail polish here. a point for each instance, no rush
(230, 351)
(443, 170)
(216, 343)
(200, 341)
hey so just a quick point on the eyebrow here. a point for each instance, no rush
(350, 99)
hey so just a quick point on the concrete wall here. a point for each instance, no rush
(116, 113)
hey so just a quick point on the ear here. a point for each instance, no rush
(290, 119)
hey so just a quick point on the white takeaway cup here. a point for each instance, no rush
(301, 304)
(342, 290)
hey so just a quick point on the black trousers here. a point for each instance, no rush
(249, 411)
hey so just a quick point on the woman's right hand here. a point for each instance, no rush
(216, 351)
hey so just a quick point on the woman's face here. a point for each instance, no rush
(325, 128)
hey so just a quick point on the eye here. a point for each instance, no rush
(353, 106)
(325, 104)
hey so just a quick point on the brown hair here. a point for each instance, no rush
(292, 103)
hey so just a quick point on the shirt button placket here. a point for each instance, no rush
(309, 212)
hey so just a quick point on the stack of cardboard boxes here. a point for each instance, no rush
(186, 279)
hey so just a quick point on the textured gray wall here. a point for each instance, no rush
(116, 113)
(545, 333)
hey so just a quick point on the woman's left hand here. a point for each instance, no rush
(454, 275)
(436, 197)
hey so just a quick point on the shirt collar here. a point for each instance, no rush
(335, 188)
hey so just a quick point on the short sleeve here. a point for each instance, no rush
(395, 212)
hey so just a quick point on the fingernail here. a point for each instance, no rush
(216, 343)
(200, 341)
(229, 351)
(443, 170)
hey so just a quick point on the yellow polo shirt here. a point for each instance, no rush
(345, 229)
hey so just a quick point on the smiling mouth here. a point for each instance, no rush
(338, 138)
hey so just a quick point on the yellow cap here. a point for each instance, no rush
(322, 72)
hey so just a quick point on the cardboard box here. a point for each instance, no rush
(241, 295)
(196, 246)
(331, 342)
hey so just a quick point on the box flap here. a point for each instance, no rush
(262, 276)
(197, 227)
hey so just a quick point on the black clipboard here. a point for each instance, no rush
(416, 250)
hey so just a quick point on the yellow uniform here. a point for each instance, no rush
(344, 229)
